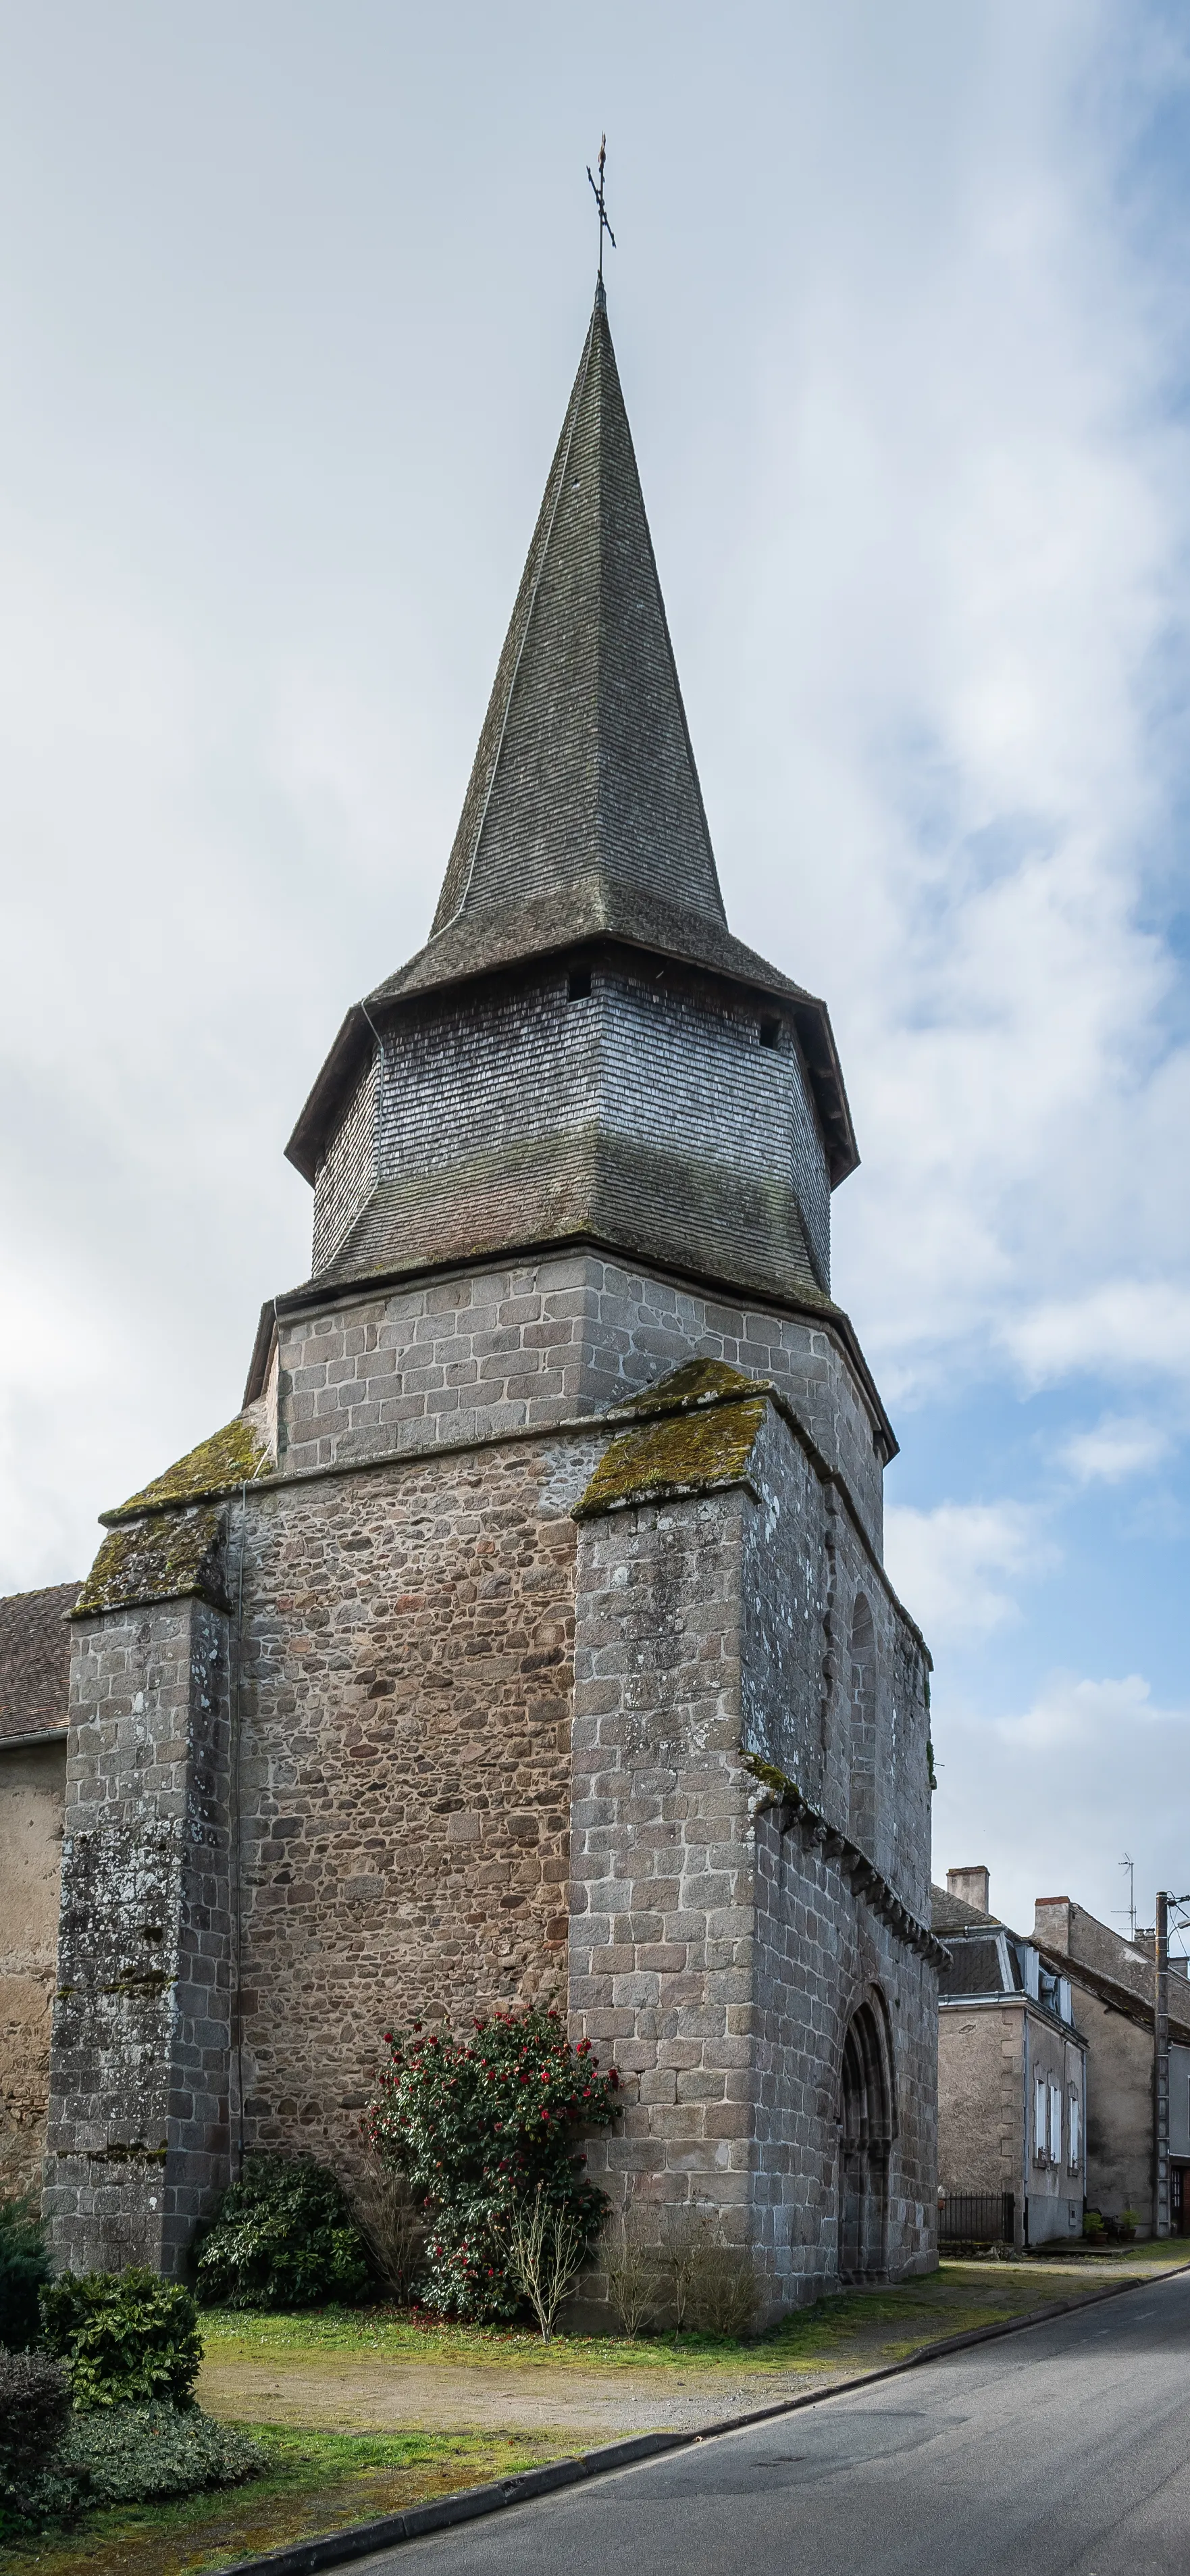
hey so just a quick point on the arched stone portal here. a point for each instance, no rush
(865, 2135)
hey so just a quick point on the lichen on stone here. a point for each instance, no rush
(172, 1557)
(230, 1456)
(687, 1452)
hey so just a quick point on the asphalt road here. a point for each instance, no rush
(1063, 2448)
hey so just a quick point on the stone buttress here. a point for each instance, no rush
(527, 1635)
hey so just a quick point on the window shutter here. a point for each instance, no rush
(1055, 2124)
(1039, 2119)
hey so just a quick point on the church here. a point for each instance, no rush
(525, 1635)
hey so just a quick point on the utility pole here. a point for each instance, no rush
(1161, 2066)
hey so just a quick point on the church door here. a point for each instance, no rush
(865, 2136)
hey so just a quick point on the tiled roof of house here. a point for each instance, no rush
(952, 1914)
(35, 1660)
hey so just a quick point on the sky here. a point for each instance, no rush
(290, 301)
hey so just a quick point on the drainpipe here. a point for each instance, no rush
(1161, 2067)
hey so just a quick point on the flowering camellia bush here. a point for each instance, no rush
(482, 2127)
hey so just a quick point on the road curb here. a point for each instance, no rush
(339, 2548)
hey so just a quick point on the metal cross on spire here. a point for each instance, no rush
(597, 193)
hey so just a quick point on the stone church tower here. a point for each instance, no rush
(526, 1634)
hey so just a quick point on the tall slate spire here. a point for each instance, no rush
(584, 781)
(582, 838)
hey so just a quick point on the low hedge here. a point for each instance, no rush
(125, 2338)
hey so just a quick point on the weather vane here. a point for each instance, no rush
(597, 193)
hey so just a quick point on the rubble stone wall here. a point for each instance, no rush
(32, 1800)
(405, 1767)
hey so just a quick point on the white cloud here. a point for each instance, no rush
(1119, 1446)
(1055, 1793)
(949, 1565)
(1123, 1329)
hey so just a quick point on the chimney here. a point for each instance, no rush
(970, 1886)
(1051, 1923)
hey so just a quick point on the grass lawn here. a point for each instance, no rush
(316, 2482)
(952, 2300)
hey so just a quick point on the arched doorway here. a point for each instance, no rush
(865, 2136)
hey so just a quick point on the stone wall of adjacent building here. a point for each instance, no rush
(32, 1800)
(981, 2099)
(988, 2056)
(138, 2143)
(523, 1346)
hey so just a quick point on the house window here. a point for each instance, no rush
(770, 1033)
(579, 986)
(1039, 2115)
(1055, 2124)
(1075, 2129)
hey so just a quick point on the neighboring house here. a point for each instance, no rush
(34, 1684)
(1012, 2077)
(1113, 1980)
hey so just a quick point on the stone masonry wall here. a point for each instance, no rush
(822, 1951)
(138, 2134)
(807, 1571)
(405, 1768)
(32, 1797)
(494, 1350)
(721, 1959)
(662, 1863)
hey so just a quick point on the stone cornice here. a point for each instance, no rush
(778, 1790)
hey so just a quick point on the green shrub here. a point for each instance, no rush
(34, 2407)
(139, 2454)
(34, 2411)
(126, 2338)
(282, 2237)
(478, 2125)
(24, 2265)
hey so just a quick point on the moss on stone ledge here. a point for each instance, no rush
(230, 1456)
(172, 1557)
(686, 1453)
(699, 1382)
